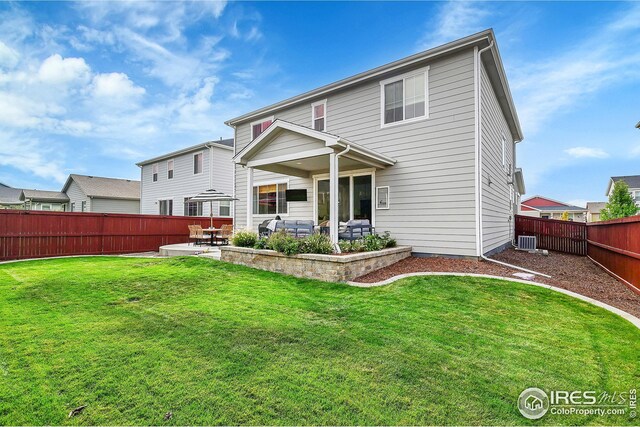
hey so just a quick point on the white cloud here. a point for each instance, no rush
(8, 57)
(587, 152)
(115, 86)
(545, 89)
(455, 19)
(31, 156)
(60, 71)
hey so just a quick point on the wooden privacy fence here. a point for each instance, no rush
(613, 245)
(37, 234)
(556, 235)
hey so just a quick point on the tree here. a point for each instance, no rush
(621, 204)
(565, 216)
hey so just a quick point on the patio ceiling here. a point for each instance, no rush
(291, 149)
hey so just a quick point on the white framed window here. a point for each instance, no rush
(270, 199)
(73, 207)
(165, 207)
(225, 208)
(260, 126)
(154, 172)
(197, 163)
(83, 206)
(404, 98)
(382, 197)
(169, 169)
(319, 115)
(45, 207)
(192, 208)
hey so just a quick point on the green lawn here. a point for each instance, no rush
(221, 344)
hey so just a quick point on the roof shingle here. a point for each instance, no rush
(106, 188)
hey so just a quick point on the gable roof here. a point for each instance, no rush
(9, 195)
(596, 206)
(330, 141)
(227, 144)
(44, 196)
(495, 72)
(551, 205)
(105, 188)
(633, 181)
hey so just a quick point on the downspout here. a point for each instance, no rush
(479, 165)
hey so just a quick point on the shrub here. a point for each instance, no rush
(261, 243)
(373, 242)
(389, 242)
(347, 246)
(293, 246)
(279, 240)
(244, 239)
(317, 244)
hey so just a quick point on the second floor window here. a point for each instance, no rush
(405, 98)
(197, 163)
(170, 169)
(154, 172)
(318, 110)
(258, 127)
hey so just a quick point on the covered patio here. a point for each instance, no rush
(297, 151)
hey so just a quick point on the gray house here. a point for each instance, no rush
(97, 194)
(44, 200)
(170, 180)
(632, 181)
(423, 147)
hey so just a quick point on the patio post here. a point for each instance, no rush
(249, 198)
(333, 197)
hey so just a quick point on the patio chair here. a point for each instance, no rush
(356, 229)
(296, 228)
(226, 231)
(263, 231)
(197, 233)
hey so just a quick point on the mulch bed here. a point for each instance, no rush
(574, 273)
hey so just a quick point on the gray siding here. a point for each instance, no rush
(77, 196)
(432, 203)
(497, 219)
(115, 206)
(217, 173)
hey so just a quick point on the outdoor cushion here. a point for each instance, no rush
(356, 229)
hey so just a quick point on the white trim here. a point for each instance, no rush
(289, 157)
(313, 118)
(173, 168)
(388, 197)
(255, 122)
(155, 167)
(476, 142)
(193, 163)
(504, 152)
(422, 71)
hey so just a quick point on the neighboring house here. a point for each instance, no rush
(633, 181)
(423, 147)
(544, 207)
(41, 200)
(593, 210)
(170, 180)
(97, 194)
(10, 197)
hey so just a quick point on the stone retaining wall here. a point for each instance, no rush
(330, 268)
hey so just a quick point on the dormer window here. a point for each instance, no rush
(260, 126)
(318, 115)
(404, 98)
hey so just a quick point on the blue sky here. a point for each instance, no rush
(94, 87)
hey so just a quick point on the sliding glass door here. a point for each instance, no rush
(354, 198)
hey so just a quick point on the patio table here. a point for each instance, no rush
(213, 231)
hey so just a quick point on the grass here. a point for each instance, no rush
(216, 343)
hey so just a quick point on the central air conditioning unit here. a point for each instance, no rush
(527, 243)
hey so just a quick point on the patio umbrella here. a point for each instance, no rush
(211, 196)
